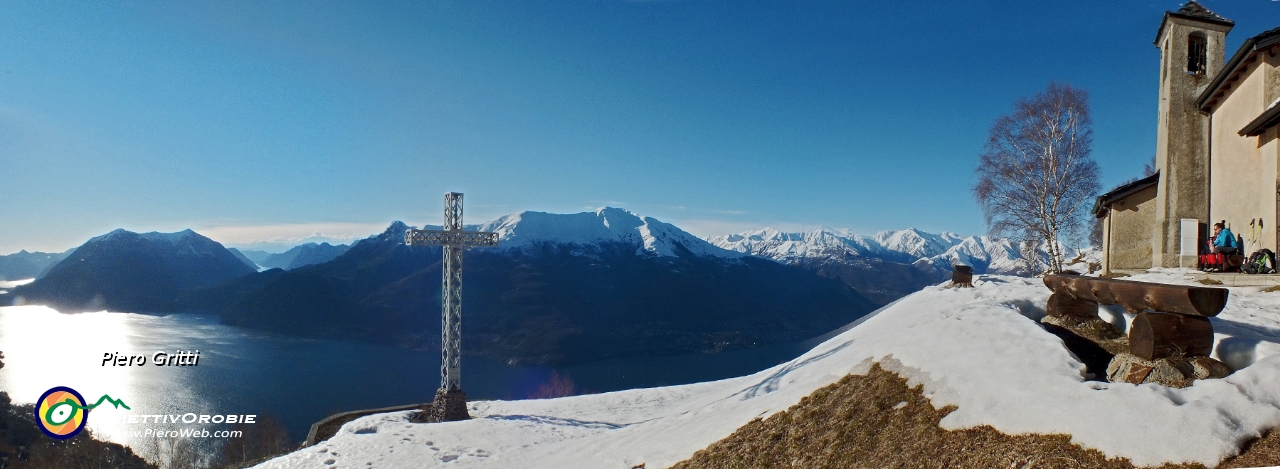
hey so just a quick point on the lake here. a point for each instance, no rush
(298, 380)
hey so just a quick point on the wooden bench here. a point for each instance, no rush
(1172, 320)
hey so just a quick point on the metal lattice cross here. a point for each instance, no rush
(454, 241)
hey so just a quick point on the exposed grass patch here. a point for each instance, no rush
(1113, 275)
(1271, 289)
(877, 421)
(1261, 452)
(1209, 281)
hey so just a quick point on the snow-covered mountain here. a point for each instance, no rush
(883, 267)
(653, 237)
(605, 225)
(984, 253)
(928, 251)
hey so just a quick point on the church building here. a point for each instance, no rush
(1217, 149)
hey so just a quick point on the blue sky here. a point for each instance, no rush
(258, 121)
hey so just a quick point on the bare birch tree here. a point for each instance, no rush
(1036, 174)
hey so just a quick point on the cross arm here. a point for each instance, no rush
(450, 238)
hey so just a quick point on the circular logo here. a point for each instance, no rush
(61, 412)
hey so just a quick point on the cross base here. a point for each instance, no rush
(448, 406)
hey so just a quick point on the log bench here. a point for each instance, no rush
(1172, 321)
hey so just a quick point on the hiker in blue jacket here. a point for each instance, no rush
(1224, 242)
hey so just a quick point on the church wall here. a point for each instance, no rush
(1269, 143)
(1272, 62)
(1270, 150)
(1129, 231)
(1242, 180)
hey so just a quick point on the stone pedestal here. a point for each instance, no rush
(1177, 372)
(448, 406)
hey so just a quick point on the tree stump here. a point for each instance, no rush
(961, 276)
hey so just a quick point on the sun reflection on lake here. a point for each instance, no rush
(44, 348)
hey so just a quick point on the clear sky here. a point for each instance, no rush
(254, 121)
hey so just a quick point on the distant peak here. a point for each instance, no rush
(607, 210)
(396, 226)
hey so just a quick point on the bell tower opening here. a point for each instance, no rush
(1197, 53)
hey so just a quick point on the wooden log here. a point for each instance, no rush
(1063, 305)
(961, 275)
(1136, 297)
(1159, 335)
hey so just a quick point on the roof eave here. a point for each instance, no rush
(1167, 14)
(1105, 200)
(1260, 124)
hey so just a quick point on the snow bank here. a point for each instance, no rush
(979, 349)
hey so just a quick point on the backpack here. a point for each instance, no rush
(1261, 262)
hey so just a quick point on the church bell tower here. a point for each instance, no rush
(1191, 42)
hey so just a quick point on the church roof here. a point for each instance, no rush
(1268, 119)
(1104, 201)
(1192, 11)
(1230, 73)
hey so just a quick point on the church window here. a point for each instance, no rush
(1197, 51)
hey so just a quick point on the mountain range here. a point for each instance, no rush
(885, 266)
(297, 256)
(23, 265)
(557, 289)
